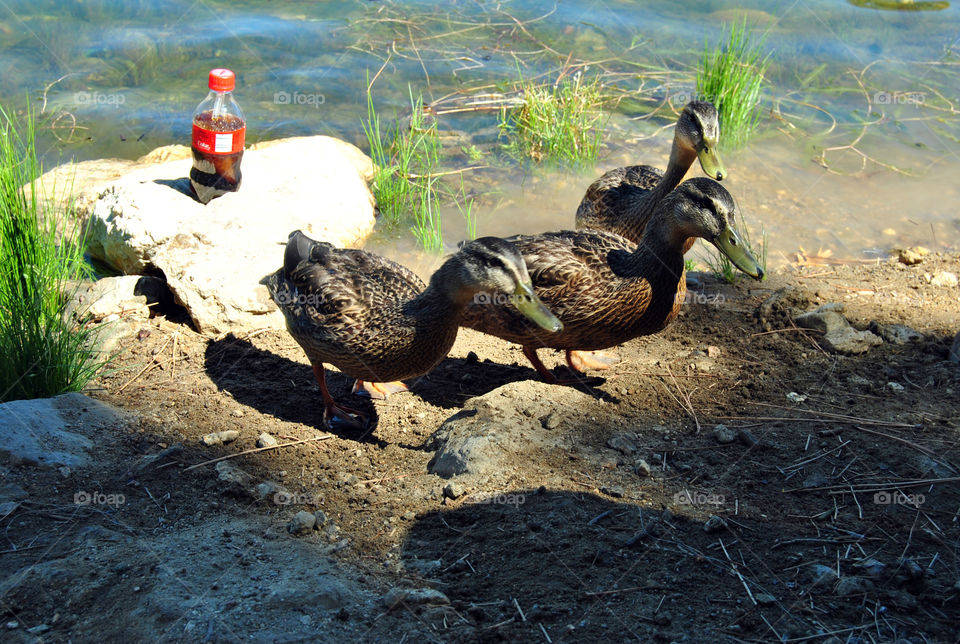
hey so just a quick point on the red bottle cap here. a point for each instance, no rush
(222, 80)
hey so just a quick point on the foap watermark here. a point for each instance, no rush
(899, 98)
(299, 98)
(99, 99)
(686, 497)
(511, 498)
(98, 498)
(712, 299)
(498, 299)
(898, 498)
(295, 498)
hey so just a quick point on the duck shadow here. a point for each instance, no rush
(455, 380)
(280, 387)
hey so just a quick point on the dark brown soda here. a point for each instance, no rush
(214, 175)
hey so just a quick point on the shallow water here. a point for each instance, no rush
(121, 78)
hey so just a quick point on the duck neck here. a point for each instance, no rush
(659, 254)
(445, 296)
(645, 205)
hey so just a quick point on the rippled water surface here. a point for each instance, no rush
(858, 151)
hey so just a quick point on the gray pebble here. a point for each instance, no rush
(642, 468)
(453, 490)
(616, 491)
(552, 420)
(302, 523)
(724, 434)
(714, 524)
(267, 440)
(763, 599)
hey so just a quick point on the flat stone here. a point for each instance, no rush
(267, 440)
(398, 597)
(220, 438)
(895, 333)
(838, 335)
(213, 256)
(56, 431)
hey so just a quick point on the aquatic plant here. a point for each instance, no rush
(731, 77)
(42, 353)
(559, 123)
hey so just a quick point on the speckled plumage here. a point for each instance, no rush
(606, 289)
(622, 200)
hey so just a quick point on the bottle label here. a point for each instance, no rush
(218, 142)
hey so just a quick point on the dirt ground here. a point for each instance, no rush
(828, 514)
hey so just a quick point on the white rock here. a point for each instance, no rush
(945, 279)
(55, 431)
(213, 256)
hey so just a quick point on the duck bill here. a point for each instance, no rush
(710, 161)
(529, 304)
(730, 244)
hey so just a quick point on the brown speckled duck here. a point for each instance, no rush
(623, 200)
(605, 288)
(377, 321)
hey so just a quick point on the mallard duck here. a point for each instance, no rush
(605, 288)
(377, 321)
(623, 200)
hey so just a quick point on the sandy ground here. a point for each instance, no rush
(826, 512)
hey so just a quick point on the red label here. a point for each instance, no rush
(218, 142)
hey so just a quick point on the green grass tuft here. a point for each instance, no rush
(41, 353)
(732, 77)
(559, 124)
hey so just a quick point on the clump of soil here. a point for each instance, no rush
(824, 509)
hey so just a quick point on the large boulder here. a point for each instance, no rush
(213, 257)
(55, 431)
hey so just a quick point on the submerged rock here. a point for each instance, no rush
(213, 256)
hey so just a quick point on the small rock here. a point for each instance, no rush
(724, 434)
(267, 440)
(764, 599)
(872, 568)
(220, 438)
(409, 515)
(838, 335)
(38, 629)
(944, 279)
(853, 586)
(398, 597)
(714, 524)
(794, 397)
(911, 569)
(895, 333)
(818, 575)
(623, 442)
(302, 523)
(551, 421)
(746, 437)
(237, 413)
(453, 490)
(642, 468)
(321, 518)
(713, 352)
(895, 387)
(274, 492)
(912, 256)
(616, 491)
(233, 475)
(12, 625)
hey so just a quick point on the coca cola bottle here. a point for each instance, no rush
(218, 135)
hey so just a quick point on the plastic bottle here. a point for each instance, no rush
(219, 129)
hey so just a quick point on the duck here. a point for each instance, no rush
(622, 200)
(376, 321)
(607, 289)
